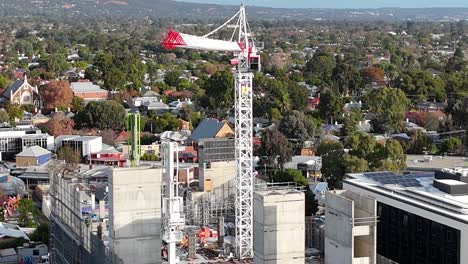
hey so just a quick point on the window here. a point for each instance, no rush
(36, 252)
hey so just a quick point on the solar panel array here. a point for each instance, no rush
(405, 180)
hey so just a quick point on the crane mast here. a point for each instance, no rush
(246, 60)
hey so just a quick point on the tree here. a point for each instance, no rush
(54, 63)
(333, 170)
(372, 74)
(161, 123)
(361, 145)
(4, 82)
(103, 115)
(421, 85)
(389, 106)
(69, 155)
(219, 89)
(57, 94)
(330, 106)
(171, 78)
(354, 164)
(4, 117)
(295, 126)
(349, 127)
(389, 156)
(347, 78)
(41, 233)
(14, 111)
(420, 143)
(319, 69)
(25, 213)
(450, 145)
(77, 103)
(275, 147)
(299, 97)
(59, 125)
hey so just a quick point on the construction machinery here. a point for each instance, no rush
(173, 218)
(245, 58)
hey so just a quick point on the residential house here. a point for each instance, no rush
(39, 118)
(22, 93)
(89, 91)
(33, 156)
(211, 128)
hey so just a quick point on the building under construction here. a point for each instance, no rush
(77, 223)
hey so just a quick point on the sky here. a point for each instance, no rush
(341, 3)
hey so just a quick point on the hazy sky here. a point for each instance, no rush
(341, 3)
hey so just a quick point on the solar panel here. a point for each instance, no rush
(405, 180)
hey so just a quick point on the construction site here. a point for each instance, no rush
(145, 214)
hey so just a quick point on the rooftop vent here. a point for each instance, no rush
(452, 187)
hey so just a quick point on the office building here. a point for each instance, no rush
(422, 217)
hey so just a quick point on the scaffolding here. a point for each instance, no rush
(72, 240)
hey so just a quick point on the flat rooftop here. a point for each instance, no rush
(428, 162)
(415, 188)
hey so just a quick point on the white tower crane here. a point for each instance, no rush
(246, 59)
(173, 219)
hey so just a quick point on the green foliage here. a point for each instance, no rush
(161, 123)
(118, 67)
(275, 147)
(420, 143)
(102, 115)
(389, 106)
(421, 85)
(148, 139)
(69, 155)
(77, 103)
(450, 145)
(29, 108)
(55, 62)
(330, 106)
(219, 89)
(4, 82)
(41, 234)
(25, 213)
(14, 111)
(4, 117)
(354, 164)
(290, 175)
(361, 145)
(171, 78)
(297, 127)
(149, 157)
(347, 78)
(13, 243)
(319, 69)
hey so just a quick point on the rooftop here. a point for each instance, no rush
(415, 188)
(85, 87)
(34, 151)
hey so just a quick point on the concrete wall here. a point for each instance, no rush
(350, 235)
(279, 227)
(135, 215)
(26, 161)
(219, 173)
(338, 229)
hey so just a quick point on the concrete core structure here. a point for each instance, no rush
(279, 227)
(350, 229)
(135, 215)
(216, 174)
